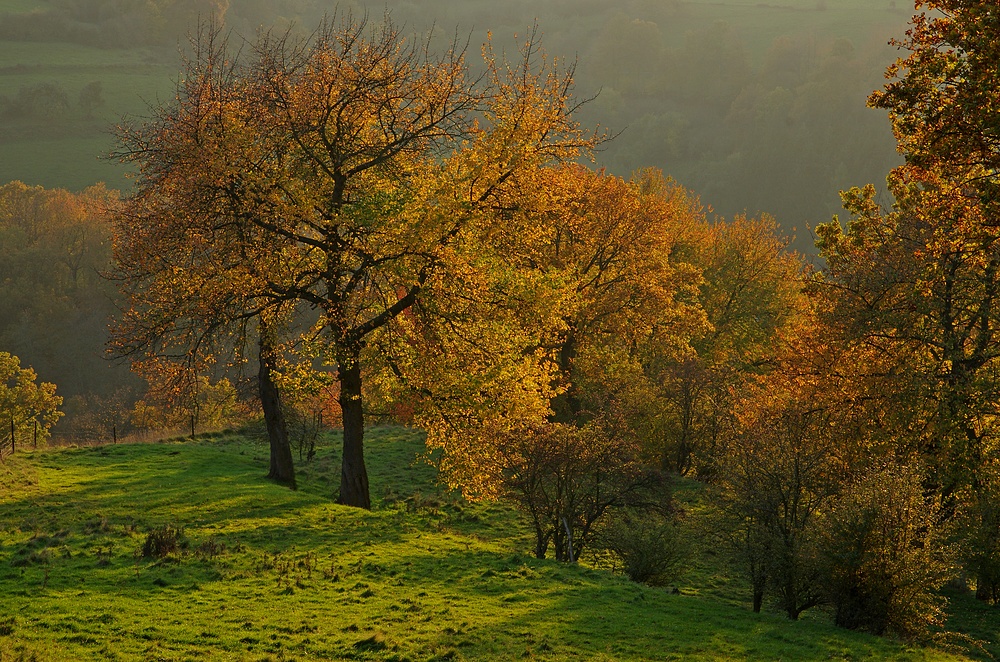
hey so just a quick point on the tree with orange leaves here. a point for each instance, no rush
(556, 424)
(350, 173)
(919, 283)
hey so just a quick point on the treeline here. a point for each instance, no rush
(779, 130)
(753, 117)
(55, 303)
(109, 23)
(48, 110)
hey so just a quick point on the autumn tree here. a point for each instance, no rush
(750, 292)
(179, 399)
(55, 245)
(568, 478)
(920, 281)
(778, 471)
(189, 325)
(632, 304)
(347, 172)
(886, 553)
(27, 408)
(604, 295)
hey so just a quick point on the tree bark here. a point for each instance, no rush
(566, 407)
(353, 474)
(282, 469)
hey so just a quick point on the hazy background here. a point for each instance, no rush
(755, 106)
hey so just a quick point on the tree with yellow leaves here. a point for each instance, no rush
(27, 409)
(592, 295)
(350, 173)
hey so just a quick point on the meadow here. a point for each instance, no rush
(261, 572)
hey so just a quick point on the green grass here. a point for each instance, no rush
(267, 573)
(16, 6)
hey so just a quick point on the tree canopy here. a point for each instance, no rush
(917, 285)
(351, 173)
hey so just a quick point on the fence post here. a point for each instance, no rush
(34, 440)
(12, 434)
(114, 434)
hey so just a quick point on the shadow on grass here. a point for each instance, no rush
(527, 608)
(92, 508)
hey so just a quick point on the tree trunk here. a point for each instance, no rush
(986, 590)
(566, 407)
(353, 474)
(541, 542)
(282, 469)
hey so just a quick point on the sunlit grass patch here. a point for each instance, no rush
(261, 572)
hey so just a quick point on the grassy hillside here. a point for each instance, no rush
(63, 143)
(59, 143)
(264, 573)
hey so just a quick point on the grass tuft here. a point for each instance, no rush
(162, 541)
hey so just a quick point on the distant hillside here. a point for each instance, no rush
(755, 106)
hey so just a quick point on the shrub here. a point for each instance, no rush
(566, 478)
(162, 541)
(775, 480)
(980, 532)
(887, 554)
(647, 546)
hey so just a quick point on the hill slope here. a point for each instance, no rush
(264, 573)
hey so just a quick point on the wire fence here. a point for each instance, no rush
(14, 440)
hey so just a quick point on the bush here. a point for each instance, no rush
(566, 478)
(887, 555)
(162, 541)
(648, 547)
(776, 478)
(980, 532)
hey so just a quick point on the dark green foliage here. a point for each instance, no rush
(38, 100)
(54, 305)
(980, 527)
(648, 547)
